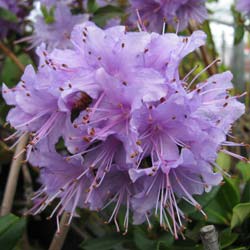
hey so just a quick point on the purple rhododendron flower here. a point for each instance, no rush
(100, 3)
(177, 13)
(243, 6)
(57, 33)
(136, 134)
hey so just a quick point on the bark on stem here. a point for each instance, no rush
(15, 166)
(11, 55)
(204, 53)
(11, 185)
(59, 238)
(209, 238)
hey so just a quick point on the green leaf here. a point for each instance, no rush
(48, 15)
(102, 15)
(227, 238)
(229, 194)
(104, 243)
(198, 247)
(239, 30)
(6, 222)
(10, 74)
(224, 161)
(219, 210)
(141, 240)
(8, 15)
(239, 248)
(240, 213)
(244, 169)
(164, 242)
(216, 214)
(203, 200)
(246, 193)
(11, 231)
(92, 6)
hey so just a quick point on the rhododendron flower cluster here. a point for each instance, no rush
(175, 12)
(55, 34)
(136, 134)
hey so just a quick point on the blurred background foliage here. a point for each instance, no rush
(227, 206)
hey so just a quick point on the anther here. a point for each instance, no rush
(92, 132)
(163, 99)
(138, 143)
(87, 138)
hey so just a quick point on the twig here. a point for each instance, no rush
(28, 190)
(59, 237)
(5, 147)
(204, 53)
(11, 185)
(16, 163)
(209, 238)
(11, 55)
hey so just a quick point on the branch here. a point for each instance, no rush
(204, 53)
(8, 53)
(16, 162)
(209, 238)
(11, 185)
(59, 237)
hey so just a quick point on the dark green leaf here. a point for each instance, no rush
(10, 74)
(240, 213)
(229, 194)
(165, 242)
(198, 247)
(11, 231)
(6, 222)
(92, 6)
(227, 238)
(246, 193)
(239, 248)
(219, 210)
(8, 15)
(105, 243)
(102, 15)
(216, 214)
(244, 169)
(203, 200)
(141, 240)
